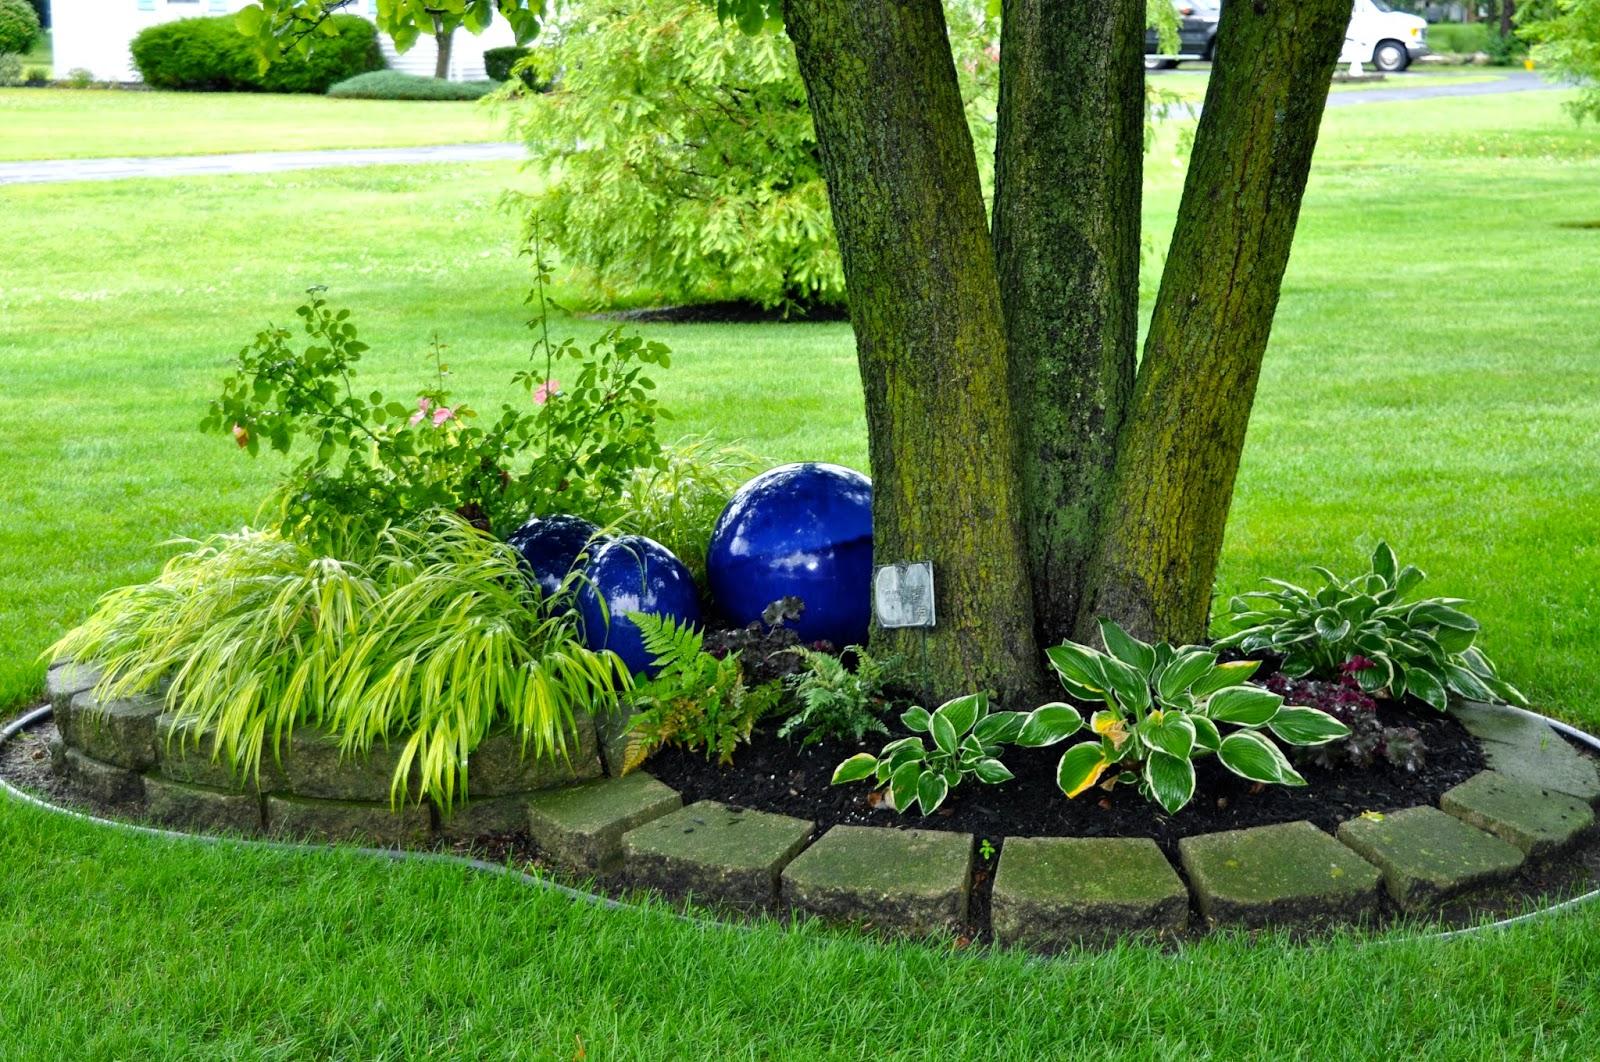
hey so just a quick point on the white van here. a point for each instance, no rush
(1384, 37)
(1377, 34)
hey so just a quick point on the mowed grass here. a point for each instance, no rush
(102, 123)
(1432, 379)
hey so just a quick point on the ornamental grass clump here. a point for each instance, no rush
(1165, 707)
(1364, 625)
(431, 640)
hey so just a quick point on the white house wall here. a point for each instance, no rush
(95, 35)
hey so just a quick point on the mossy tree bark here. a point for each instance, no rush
(1068, 171)
(925, 305)
(1162, 532)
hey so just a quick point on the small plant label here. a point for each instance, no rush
(902, 594)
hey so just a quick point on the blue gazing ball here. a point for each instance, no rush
(633, 574)
(550, 546)
(804, 531)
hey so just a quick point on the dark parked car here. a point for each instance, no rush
(1197, 35)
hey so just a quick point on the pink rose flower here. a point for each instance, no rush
(544, 391)
(442, 414)
(423, 407)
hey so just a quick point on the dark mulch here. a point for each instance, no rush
(771, 774)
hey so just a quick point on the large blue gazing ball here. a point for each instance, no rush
(633, 574)
(550, 546)
(800, 530)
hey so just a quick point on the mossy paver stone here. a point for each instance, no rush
(121, 733)
(1427, 856)
(182, 756)
(582, 826)
(912, 880)
(715, 852)
(1288, 874)
(65, 681)
(103, 782)
(199, 808)
(475, 818)
(1523, 747)
(1052, 891)
(338, 821)
(314, 766)
(1536, 819)
(498, 767)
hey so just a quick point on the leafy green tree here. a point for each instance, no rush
(1018, 438)
(1565, 35)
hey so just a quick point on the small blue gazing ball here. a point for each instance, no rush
(802, 530)
(633, 574)
(550, 546)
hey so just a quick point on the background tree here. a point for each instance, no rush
(1565, 35)
(1002, 380)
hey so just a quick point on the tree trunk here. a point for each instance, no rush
(1180, 451)
(443, 40)
(925, 305)
(1508, 11)
(1068, 169)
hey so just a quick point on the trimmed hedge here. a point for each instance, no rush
(396, 85)
(1464, 37)
(497, 62)
(211, 55)
(19, 27)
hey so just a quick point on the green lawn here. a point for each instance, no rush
(99, 123)
(1189, 81)
(1432, 379)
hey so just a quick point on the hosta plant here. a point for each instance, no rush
(1165, 707)
(968, 740)
(1365, 625)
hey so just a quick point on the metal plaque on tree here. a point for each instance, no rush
(902, 594)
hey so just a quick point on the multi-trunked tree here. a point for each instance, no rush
(1018, 440)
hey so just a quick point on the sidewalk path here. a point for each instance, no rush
(52, 170)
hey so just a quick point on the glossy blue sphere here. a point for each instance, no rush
(633, 574)
(550, 546)
(798, 530)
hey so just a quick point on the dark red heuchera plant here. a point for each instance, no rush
(1369, 740)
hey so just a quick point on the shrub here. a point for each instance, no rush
(1365, 625)
(398, 85)
(80, 77)
(430, 639)
(375, 461)
(1462, 37)
(19, 27)
(10, 69)
(1165, 707)
(497, 62)
(211, 55)
(682, 156)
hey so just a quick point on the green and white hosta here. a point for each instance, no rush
(967, 743)
(1424, 648)
(1165, 707)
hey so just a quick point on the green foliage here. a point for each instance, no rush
(19, 27)
(374, 461)
(682, 159)
(695, 701)
(501, 64)
(209, 54)
(1367, 626)
(835, 701)
(1165, 707)
(1461, 37)
(10, 69)
(1565, 35)
(967, 743)
(276, 28)
(431, 639)
(399, 85)
(677, 500)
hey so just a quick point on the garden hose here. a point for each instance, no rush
(401, 855)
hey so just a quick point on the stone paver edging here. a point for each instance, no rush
(1048, 893)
